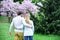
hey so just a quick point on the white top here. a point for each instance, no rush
(18, 23)
(29, 31)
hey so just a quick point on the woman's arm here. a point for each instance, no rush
(32, 26)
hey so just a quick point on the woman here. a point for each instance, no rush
(28, 30)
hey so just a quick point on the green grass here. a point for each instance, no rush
(3, 19)
(4, 29)
(46, 37)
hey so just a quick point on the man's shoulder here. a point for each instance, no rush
(15, 18)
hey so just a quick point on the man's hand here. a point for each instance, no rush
(10, 33)
(27, 21)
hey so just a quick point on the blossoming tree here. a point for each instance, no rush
(10, 8)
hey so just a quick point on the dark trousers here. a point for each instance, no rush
(28, 37)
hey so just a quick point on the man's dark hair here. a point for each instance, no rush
(19, 13)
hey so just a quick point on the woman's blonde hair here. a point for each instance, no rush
(28, 13)
(27, 17)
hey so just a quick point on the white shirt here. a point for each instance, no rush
(29, 31)
(18, 23)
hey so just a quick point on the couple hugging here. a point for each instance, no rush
(23, 27)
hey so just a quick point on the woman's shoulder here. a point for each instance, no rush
(31, 21)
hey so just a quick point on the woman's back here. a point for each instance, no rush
(28, 31)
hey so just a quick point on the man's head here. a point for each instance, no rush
(20, 13)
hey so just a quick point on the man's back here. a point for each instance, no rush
(18, 24)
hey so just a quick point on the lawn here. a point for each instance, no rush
(4, 29)
(3, 19)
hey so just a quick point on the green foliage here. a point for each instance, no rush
(52, 17)
(48, 22)
(35, 1)
(0, 0)
(18, 0)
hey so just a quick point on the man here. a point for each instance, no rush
(18, 23)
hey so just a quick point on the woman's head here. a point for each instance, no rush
(27, 15)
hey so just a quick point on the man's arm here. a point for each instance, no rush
(11, 25)
(26, 24)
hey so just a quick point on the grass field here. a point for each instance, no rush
(4, 29)
(3, 19)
